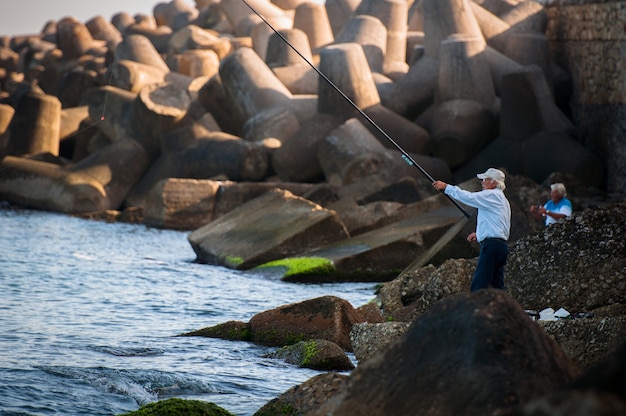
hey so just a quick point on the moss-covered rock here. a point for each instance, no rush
(179, 407)
(326, 317)
(317, 354)
(231, 330)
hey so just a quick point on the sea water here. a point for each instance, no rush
(89, 313)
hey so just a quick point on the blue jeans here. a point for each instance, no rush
(490, 268)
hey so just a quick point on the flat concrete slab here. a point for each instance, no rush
(275, 225)
(378, 255)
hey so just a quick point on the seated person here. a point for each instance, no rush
(556, 208)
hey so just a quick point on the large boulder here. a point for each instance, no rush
(472, 354)
(414, 293)
(578, 264)
(304, 398)
(175, 406)
(326, 317)
(597, 392)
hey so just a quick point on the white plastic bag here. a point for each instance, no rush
(547, 315)
(561, 313)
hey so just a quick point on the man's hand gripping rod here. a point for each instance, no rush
(407, 157)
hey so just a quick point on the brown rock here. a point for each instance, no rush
(231, 330)
(371, 312)
(251, 83)
(233, 194)
(304, 398)
(483, 336)
(215, 99)
(408, 135)
(102, 29)
(548, 152)
(110, 108)
(597, 392)
(528, 107)
(445, 18)
(459, 129)
(6, 115)
(75, 40)
(341, 146)
(346, 66)
(138, 48)
(414, 92)
(312, 18)
(326, 317)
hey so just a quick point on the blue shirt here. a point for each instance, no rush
(564, 206)
(494, 211)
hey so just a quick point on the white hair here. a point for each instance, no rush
(559, 187)
(500, 185)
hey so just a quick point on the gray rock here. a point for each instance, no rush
(272, 226)
(578, 264)
(369, 339)
(409, 296)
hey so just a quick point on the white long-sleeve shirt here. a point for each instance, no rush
(494, 211)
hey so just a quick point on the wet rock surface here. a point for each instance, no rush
(316, 354)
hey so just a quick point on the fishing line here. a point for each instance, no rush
(405, 155)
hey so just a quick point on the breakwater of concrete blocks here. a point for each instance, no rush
(93, 114)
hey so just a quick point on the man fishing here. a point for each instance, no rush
(493, 226)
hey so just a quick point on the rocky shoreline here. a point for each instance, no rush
(202, 119)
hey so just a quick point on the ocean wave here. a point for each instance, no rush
(143, 386)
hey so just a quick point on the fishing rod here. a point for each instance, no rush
(405, 155)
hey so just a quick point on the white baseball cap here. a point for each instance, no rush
(492, 173)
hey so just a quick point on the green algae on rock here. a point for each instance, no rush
(179, 407)
(300, 266)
